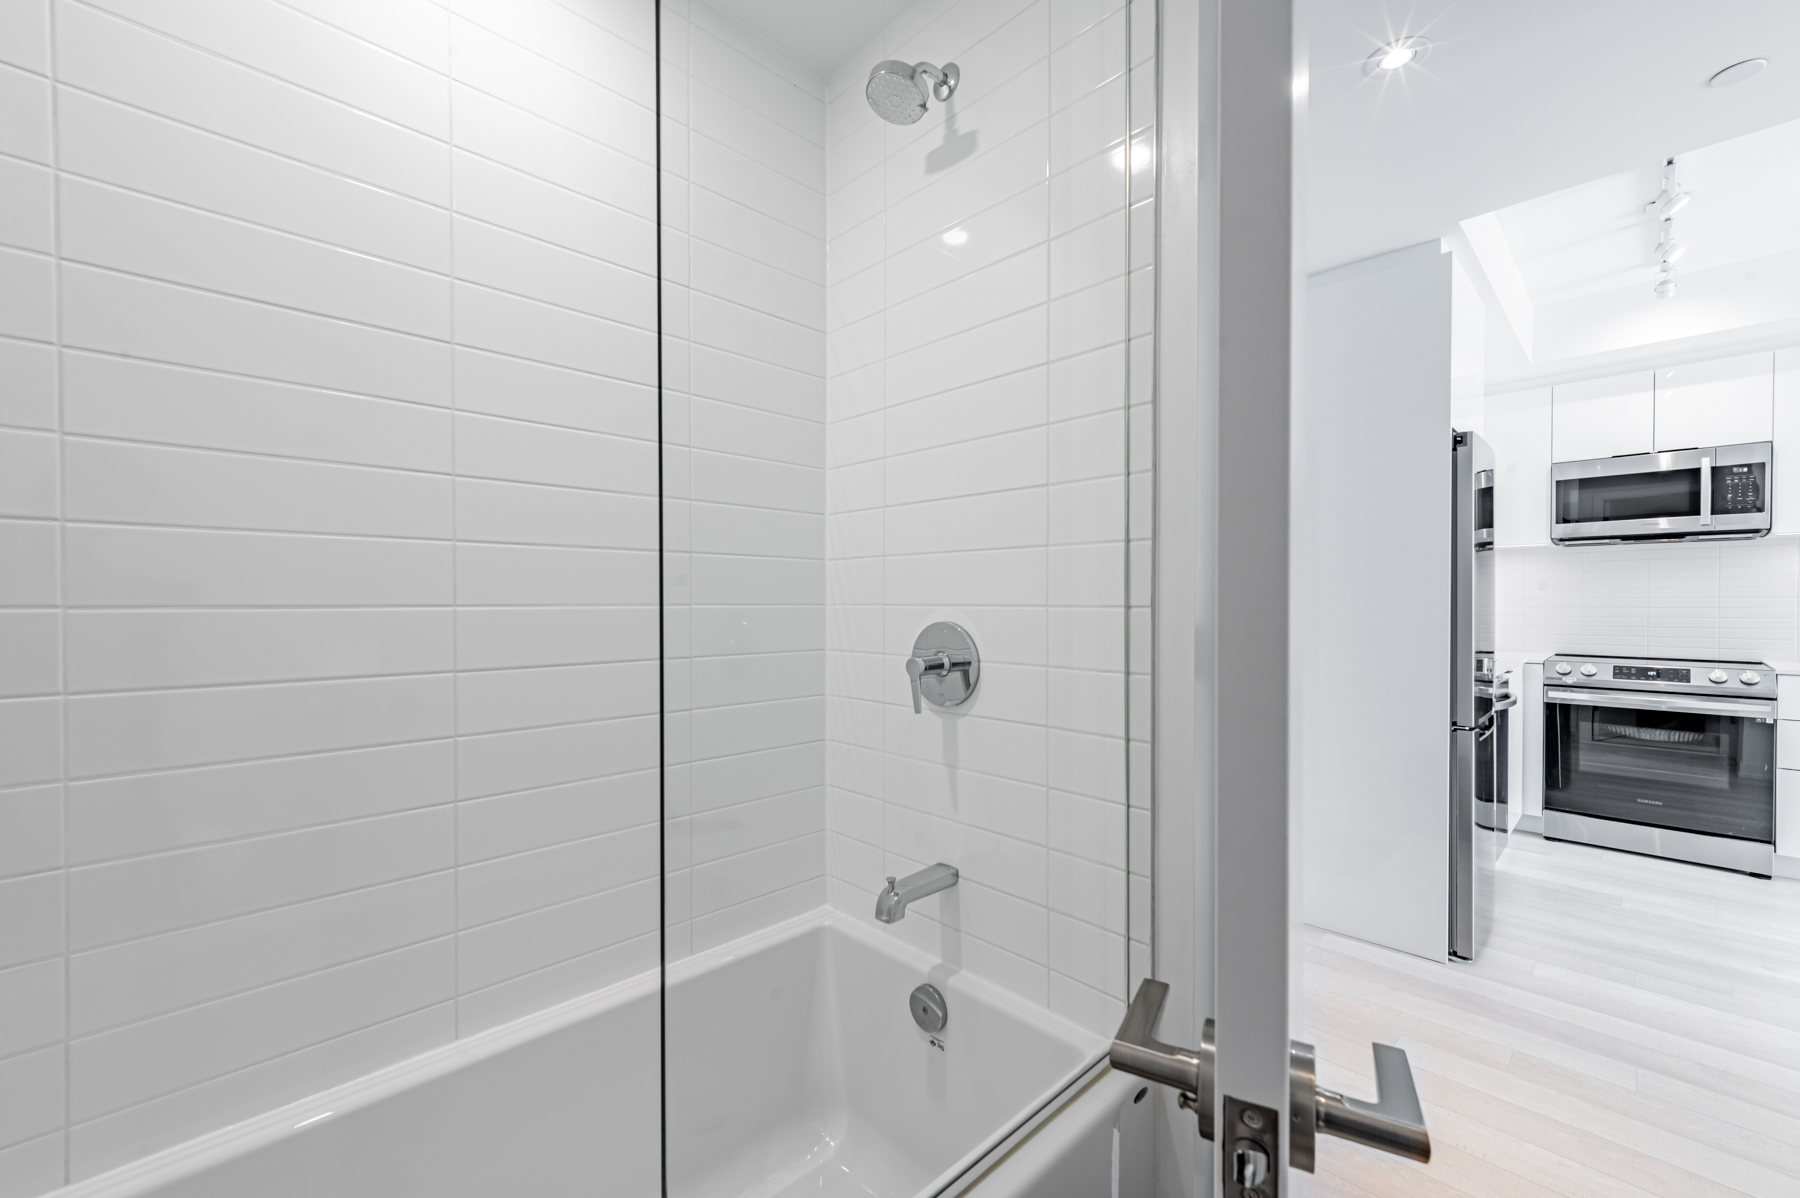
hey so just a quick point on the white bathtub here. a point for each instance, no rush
(794, 1066)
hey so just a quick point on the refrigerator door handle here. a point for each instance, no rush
(1462, 843)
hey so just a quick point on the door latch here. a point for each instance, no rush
(1255, 1147)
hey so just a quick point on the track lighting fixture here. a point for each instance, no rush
(1671, 199)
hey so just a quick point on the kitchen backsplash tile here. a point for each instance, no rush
(1734, 599)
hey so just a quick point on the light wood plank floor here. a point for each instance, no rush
(1632, 1029)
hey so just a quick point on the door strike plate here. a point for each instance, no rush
(1250, 1144)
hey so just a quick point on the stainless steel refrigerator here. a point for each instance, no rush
(1472, 686)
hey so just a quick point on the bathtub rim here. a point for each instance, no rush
(235, 1140)
(1090, 1047)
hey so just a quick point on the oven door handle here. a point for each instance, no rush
(1756, 709)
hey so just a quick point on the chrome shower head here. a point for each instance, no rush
(898, 92)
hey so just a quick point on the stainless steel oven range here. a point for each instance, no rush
(1671, 758)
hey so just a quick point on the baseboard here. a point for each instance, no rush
(1530, 823)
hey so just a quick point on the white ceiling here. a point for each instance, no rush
(1519, 99)
(1596, 237)
(1572, 271)
(821, 34)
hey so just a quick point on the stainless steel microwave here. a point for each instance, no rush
(1682, 495)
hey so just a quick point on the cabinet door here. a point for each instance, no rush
(1724, 402)
(1787, 812)
(1787, 444)
(1517, 428)
(1604, 418)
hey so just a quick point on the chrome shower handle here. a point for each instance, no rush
(915, 669)
(944, 668)
(932, 663)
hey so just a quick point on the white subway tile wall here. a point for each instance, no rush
(329, 517)
(328, 529)
(744, 479)
(989, 310)
(1737, 600)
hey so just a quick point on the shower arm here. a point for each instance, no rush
(943, 79)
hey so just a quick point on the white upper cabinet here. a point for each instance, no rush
(1604, 418)
(1787, 443)
(1517, 427)
(1724, 402)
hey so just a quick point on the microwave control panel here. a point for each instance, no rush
(1736, 489)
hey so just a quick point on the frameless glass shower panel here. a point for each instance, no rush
(907, 312)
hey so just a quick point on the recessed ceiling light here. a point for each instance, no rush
(956, 237)
(1395, 55)
(1737, 72)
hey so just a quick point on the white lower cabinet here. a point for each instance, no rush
(1787, 743)
(1787, 812)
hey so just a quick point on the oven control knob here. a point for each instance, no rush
(1589, 670)
(1749, 678)
(1563, 667)
(1718, 676)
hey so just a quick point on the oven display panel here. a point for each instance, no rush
(1650, 674)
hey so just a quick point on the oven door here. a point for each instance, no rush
(1672, 761)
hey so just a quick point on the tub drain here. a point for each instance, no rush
(928, 1009)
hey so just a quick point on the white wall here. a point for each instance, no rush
(977, 465)
(329, 494)
(744, 425)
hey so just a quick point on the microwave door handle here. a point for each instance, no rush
(1705, 489)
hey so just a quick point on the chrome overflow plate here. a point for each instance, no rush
(929, 1010)
(945, 667)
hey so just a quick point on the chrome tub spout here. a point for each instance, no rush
(891, 903)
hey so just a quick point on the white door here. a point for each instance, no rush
(1556, 1108)
(1225, 376)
